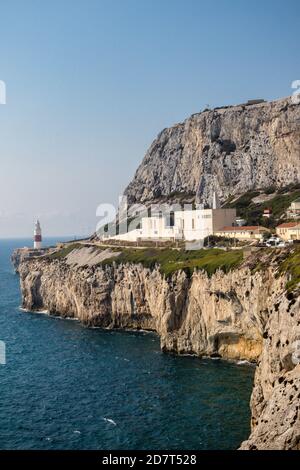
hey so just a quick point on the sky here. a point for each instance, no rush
(90, 84)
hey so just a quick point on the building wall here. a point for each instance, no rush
(283, 232)
(223, 218)
(131, 236)
(195, 224)
(188, 225)
(295, 206)
(294, 233)
(240, 235)
(198, 224)
(289, 233)
(294, 210)
(156, 228)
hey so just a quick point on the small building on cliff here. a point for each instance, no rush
(294, 209)
(289, 231)
(246, 232)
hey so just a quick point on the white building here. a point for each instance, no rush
(294, 209)
(186, 225)
(289, 231)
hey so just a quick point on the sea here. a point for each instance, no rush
(65, 386)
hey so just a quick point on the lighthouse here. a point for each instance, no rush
(37, 244)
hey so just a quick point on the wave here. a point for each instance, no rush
(245, 362)
(46, 312)
(110, 421)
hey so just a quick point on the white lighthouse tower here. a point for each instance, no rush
(37, 244)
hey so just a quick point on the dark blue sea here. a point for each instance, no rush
(65, 386)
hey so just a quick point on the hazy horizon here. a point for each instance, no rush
(91, 84)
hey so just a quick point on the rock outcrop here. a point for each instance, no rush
(275, 401)
(230, 150)
(21, 254)
(244, 314)
(16, 258)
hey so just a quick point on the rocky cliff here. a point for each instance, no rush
(231, 150)
(21, 254)
(244, 314)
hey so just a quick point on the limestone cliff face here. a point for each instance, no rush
(231, 150)
(16, 259)
(19, 255)
(215, 316)
(239, 315)
(275, 402)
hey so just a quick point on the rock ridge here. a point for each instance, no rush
(230, 150)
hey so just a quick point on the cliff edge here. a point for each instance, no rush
(247, 311)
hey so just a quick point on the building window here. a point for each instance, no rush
(172, 219)
(193, 224)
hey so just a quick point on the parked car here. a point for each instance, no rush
(281, 244)
(275, 242)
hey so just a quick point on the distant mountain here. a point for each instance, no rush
(230, 149)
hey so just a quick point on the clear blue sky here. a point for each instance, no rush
(90, 83)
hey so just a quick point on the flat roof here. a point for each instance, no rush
(242, 228)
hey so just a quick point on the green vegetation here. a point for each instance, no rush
(181, 195)
(245, 200)
(210, 260)
(252, 212)
(289, 188)
(169, 260)
(270, 190)
(262, 259)
(281, 202)
(63, 252)
(172, 260)
(218, 241)
(291, 265)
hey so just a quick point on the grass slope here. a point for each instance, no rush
(252, 212)
(169, 260)
(291, 265)
(63, 252)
